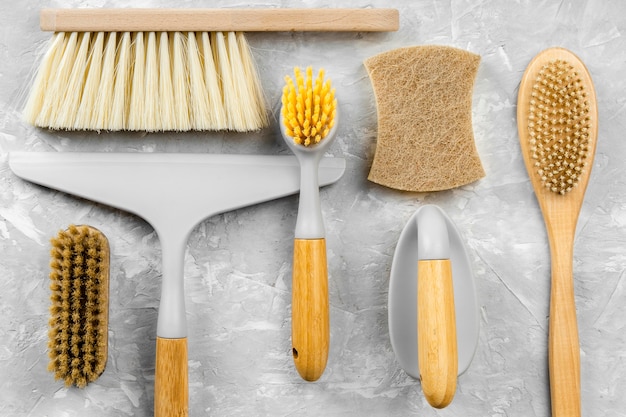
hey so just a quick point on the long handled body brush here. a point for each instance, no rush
(166, 69)
(557, 119)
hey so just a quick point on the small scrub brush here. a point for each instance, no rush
(79, 282)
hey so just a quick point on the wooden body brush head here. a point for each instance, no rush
(557, 120)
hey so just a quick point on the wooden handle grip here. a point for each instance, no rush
(563, 344)
(171, 395)
(211, 20)
(310, 331)
(436, 331)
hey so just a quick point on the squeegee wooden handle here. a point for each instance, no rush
(171, 392)
(310, 331)
(436, 331)
(211, 20)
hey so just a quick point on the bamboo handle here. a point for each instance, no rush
(310, 332)
(563, 345)
(211, 20)
(171, 394)
(436, 331)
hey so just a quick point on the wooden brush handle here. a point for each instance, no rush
(212, 20)
(310, 331)
(171, 395)
(563, 345)
(436, 331)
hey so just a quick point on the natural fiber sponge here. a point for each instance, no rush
(424, 103)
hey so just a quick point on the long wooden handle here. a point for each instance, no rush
(563, 344)
(310, 331)
(436, 331)
(211, 20)
(171, 391)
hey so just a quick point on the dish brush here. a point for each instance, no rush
(307, 121)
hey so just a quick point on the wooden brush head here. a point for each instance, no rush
(557, 122)
(79, 282)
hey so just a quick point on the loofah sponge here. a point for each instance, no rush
(424, 100)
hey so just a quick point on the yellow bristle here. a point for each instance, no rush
(79, 305)
(309, 107)
(558, 124)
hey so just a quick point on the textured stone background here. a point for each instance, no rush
(238, 264)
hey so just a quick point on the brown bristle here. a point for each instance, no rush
(79, 282)
(559, 126)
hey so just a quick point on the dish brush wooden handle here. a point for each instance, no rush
(171, 395)
(563, 344)
(212, 20)
(436, 331)
(310, 331)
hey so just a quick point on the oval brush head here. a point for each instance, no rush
(79, 282)
(559, 125)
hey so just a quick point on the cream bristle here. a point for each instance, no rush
(104, 99)
(136, 106)
(256, 117)
(56, 90)
(198, 98)
(121, 90)
(240, 113)
(147, 81)
(212, 83)
(92, 82)
(220, 53)
(152, 118)
(166, 93)
(50, 61)
(69, 103)
(180, 84)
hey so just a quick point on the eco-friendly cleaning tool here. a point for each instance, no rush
(557, 120)
(424, 105)
(166, 69)
(433, 311)
(79, 309)
(173, 192)
(307, 123)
